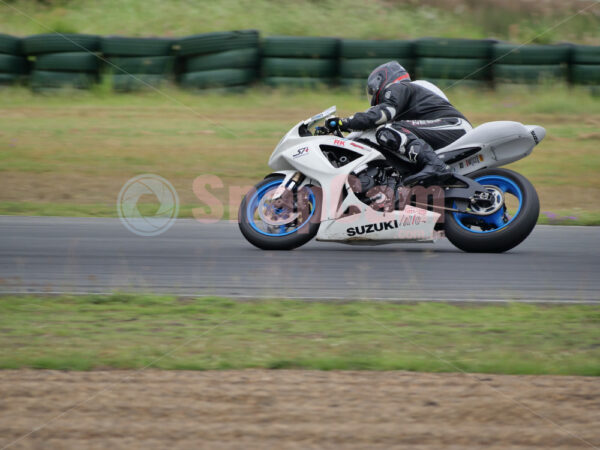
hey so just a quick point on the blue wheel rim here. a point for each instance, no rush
(495, 220)
(282, 230)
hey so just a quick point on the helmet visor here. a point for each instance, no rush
(370, 95)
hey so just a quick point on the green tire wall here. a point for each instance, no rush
(201, 44)
(136, 82)
(445, 83)
(208, 79)
(298, 82)
(453, 48)
(149, 65)
(60, 43)
(68, 62)
(300, 47)
(126, 46)
(43, 79)
(234, 60)
(384, 50)
(299, 67)
(361, 68)
(585, 54)
(10, 45)
(585, 74)
(218, 60)
(449, 68)
(505, 73)
(511, 54)
(11, 64)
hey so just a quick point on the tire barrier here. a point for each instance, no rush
(134, 64)
(68, 62)
(454, 69)
(358, 58)
(528, 73)
(45, 80)
(233, 60)
(453, 48)
(297, 82)
(585, 65)
(454, 62)
(530, 64)
(299, 61)
(60, 43)
(201, 44)
(207, 79)
(13, 65)
(219, 60)
(300, 47)
(62, 60)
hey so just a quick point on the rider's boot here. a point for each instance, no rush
(431, 168)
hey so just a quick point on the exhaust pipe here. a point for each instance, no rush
(538, 133)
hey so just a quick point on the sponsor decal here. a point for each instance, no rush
(414, 219)
(339, 142)
(473, 160)
(424, 122)
(301, 152)
(356, 145)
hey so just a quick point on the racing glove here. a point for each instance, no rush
(335, 122)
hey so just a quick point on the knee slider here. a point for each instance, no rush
(390, 139)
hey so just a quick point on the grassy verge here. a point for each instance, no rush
(517, 19)
(133, 331)
(574, 217)
(71, 154)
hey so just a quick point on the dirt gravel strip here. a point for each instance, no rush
(258, 409)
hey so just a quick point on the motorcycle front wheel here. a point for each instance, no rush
(504, 229)
(283, 223)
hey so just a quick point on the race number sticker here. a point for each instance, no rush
(472, 161)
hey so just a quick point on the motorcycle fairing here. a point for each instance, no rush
(371, 226)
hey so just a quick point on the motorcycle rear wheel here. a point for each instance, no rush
(502, 230)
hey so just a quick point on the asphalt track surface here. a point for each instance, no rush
(90, 255)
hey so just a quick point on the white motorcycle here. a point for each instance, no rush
(349, 190)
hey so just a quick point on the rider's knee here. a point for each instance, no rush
(391, 139)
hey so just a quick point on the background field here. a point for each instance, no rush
(70, 154)
(516, 20)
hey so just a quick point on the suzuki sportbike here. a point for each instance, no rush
(349, 190)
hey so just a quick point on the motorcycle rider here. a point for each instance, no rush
(414, 119)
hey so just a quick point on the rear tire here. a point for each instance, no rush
(508, 235)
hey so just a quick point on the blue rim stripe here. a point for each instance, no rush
(506, 185)
(255, 200)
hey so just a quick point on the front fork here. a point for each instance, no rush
(288, 186)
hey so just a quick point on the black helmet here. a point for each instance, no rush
(382, 76)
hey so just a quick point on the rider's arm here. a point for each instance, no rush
(395, 98)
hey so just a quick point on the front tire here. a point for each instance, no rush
(500, 231)
(269, 227)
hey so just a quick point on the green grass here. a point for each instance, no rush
(134, 331)
(569, 217)
(514, 20)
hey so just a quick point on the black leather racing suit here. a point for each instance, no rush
(415, 111)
